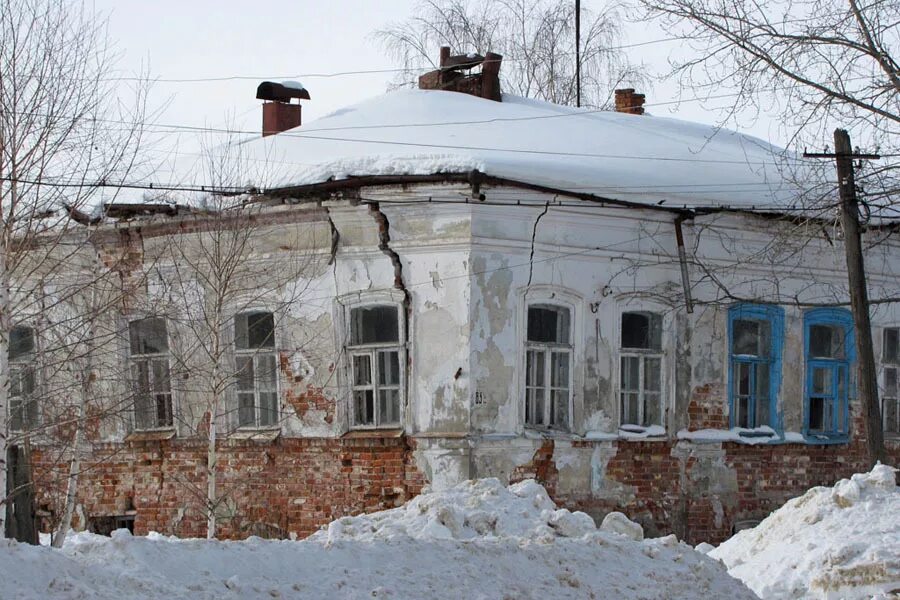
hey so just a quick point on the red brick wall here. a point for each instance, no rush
(669, 496)
(275, 488)
(296, 485)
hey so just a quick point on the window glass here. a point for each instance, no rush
(148, 336)
(374, 325)
(826, 341)
(891, 415)
(376, 364)
(891, 345)
(751, 337)
(890, 382)
(548, 324)
(548, 366)
(641, 330)
(254, 330)
(21, 342)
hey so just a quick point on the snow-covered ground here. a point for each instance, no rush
(477, 540)
(840, 542)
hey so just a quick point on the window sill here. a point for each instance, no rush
(539, 433)
(373, 433)
(151, 435)
(823, 439)
(256, 434)
(639, 433)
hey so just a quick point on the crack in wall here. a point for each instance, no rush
(384, 244)
(533, 236)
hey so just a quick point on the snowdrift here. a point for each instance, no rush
(840, 542)
(477, 540)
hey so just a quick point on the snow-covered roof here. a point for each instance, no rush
(645, 159)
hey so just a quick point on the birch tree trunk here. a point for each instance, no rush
(212, 455)
(4, 382)
(88, 377)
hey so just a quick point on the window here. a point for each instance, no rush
(755, 334)
(23, 405)
(149, 345)
(829, 352)
(890, 397)
(257, 369)
(641, 369)
(375, 351)
(548, 359)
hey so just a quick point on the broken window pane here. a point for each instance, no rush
(548, 324)
(21, 342)
(641, 330)
(254, 330)
(816, 414)
(374, 325)
(826, 341)
(148, 336)
(891, 351)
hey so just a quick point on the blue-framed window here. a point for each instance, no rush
(755, 340)
(830, 350)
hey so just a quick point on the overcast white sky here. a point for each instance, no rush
(288, 38)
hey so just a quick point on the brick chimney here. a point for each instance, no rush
(628, 102)
(278, 112)
(455, 75)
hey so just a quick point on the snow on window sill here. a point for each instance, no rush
(150, 435)
(637, 432)
(256, 434)
(535, 432)
(759, 435)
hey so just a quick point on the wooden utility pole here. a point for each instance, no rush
(578, 53)
(859, 295)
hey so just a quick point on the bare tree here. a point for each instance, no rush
(229, 304)
(64, 127)
(819, 64)
(535, 37)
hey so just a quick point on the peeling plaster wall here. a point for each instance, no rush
(470, 269)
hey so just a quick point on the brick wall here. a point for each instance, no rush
(669, 490)
(276, 489)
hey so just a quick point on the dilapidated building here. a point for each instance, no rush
(644, 314)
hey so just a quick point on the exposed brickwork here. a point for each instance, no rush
(289, 486)
(669, 491)
(706, 409)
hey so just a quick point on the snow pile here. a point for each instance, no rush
(840, 542)
(477, 540)
(481, 508)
